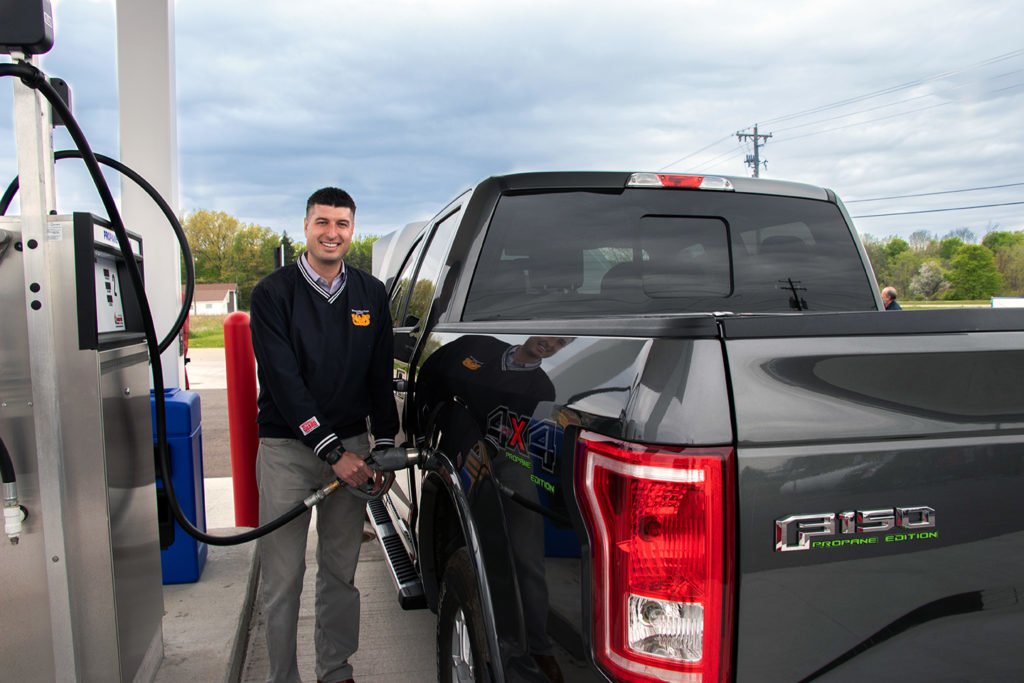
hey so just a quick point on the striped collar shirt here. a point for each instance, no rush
(508, 361)
(330, 288)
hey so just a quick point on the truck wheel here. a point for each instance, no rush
(460, 630)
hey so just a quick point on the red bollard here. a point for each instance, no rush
(240, 363)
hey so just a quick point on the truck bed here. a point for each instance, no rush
(830, 420)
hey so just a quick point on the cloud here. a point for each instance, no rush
(407, 103)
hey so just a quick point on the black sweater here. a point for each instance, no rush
(324, 362)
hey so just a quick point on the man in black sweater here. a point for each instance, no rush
(322, 335)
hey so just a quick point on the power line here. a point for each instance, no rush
(853, 113)
(884, 118)
(895, 88)
(693, 154)
(930, 194)
(861, 123)
(715, 160)
(908, 99)
(851, 100)
(953, 208)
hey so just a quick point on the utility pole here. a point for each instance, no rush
(754, 160)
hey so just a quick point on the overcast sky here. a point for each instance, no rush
(405, 104)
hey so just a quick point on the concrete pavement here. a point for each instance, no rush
(213, 628)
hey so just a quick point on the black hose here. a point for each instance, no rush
(5, 201)
(179, 232)
(36, 79)
(6, 464)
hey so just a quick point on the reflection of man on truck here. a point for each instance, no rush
(474, 378)
(484, 373)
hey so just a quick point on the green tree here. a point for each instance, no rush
(876, 255)
(973, 273)
(210, 236)
(252, 258)
(360, 252)
(895, 246)
(949, 246)
(227, 250)
(902, 270)
(1010, 262)
(1002, 239)
(290, 250)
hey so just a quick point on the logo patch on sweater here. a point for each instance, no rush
(471, 363)
(309, 425)
(360, 318)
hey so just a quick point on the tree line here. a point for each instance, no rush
(956, 267)
(224, 249)
(923, 267)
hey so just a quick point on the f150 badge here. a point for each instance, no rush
(831, 529)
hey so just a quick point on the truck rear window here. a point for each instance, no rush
(641, 251)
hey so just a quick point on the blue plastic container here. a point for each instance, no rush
(181, 556)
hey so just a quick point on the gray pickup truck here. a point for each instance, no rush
(667, 433)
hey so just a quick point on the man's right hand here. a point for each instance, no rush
(351, 469)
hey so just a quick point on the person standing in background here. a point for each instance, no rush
(889, 299)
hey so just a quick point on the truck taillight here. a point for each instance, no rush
(660, 525)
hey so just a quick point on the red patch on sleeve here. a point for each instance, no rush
(309, 425)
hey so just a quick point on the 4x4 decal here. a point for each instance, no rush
(524, 440)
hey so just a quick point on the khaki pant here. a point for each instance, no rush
(286, 473)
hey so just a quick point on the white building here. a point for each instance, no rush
(218, 298)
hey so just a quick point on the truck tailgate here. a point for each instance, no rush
(846, 426)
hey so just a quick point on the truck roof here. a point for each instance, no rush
(390, 249)
(618, 179)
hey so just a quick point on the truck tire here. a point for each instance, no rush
(461, 645)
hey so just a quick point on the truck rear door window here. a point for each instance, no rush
(642, 251)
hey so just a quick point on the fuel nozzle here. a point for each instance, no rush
(394, 458)
(387, 461)
(384, 460)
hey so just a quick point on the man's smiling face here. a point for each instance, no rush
(328, 236)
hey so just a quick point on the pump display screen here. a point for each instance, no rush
(109, 309)
(108, 306)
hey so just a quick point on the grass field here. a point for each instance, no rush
(206, 331)
(937, 305)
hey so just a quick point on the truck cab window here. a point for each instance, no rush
(577, 253)
(431, 268)
(400, 290)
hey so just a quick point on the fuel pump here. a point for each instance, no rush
(82, 594)
(386, 460)
(82, 588)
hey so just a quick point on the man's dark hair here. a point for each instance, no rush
(331, 196)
